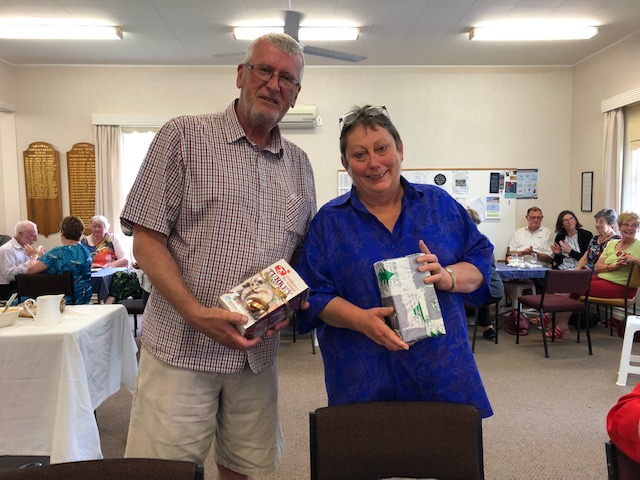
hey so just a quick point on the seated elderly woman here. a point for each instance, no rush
(71, 256)
(612, 268)
(104, 247)
(605, 224)
(385, 217)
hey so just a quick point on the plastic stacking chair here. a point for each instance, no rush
(553, 299)
(371, 440)
(626, 357)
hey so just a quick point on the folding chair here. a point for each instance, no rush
(553, 299)
(32, 285)
(365, 441)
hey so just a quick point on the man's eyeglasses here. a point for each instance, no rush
(534, 218)
(265, 73)
(350, 117)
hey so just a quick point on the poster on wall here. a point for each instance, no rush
(527, 183)
(460, 183)
(493, 207)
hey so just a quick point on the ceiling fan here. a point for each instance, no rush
(292, 21)
(291, 27)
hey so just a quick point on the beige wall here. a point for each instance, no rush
(448, 117)
(613, 72)
(546, 118)
(7, 86)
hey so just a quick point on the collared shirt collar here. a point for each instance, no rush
(410, 193)
(233, 131)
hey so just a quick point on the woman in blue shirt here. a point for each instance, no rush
(70, 257)
(384, 217)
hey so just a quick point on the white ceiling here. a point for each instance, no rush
(393, 32)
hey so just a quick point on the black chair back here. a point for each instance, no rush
(396, 439)
(32, 285)
(111, 469)
(619, 466)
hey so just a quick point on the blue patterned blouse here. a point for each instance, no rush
(343, 242)
(77, 260)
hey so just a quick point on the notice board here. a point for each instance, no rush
(480, 189)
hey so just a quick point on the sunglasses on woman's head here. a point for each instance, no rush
(350, 117)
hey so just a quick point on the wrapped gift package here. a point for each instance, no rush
(266, 298)
(417, 310)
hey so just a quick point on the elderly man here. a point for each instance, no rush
(15, 254)
(218, 197)
(534, 238)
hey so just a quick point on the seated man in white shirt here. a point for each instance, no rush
(14, 256)
(534, 238)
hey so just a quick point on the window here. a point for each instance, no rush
(134, 146)
(631, 175)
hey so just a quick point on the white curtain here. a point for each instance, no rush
(612, 158)
(108, 154)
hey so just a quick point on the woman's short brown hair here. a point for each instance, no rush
(72, 228)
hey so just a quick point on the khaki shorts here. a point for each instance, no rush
(177, 413)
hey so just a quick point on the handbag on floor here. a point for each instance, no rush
(510, 323)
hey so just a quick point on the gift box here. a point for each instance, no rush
(417, 310)
(268, 297)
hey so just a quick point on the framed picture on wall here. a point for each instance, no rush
(587, 192)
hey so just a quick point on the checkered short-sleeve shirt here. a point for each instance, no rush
(228, 210)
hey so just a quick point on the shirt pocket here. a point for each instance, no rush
(297, 215)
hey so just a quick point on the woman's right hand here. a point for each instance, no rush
(375, 327)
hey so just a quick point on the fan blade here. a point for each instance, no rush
(323, 52)
(292, 23)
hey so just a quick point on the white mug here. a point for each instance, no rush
(48, 311)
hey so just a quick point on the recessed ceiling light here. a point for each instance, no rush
(314, 30)
(532, 30)
(58, 29)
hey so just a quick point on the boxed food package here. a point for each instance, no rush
(266, 298)
(417, 310)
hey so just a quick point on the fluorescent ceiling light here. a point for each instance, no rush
(305, 34)
(58, 29)
(533, 30)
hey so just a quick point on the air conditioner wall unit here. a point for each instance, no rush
(300, 117)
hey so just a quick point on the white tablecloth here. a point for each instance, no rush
(53, 378)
